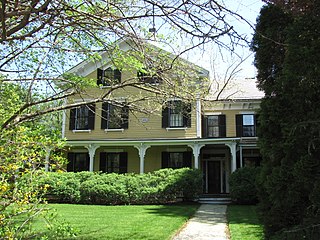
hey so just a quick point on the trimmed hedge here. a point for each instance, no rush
(243, 187)
(159, 187)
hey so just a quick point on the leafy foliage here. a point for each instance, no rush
(289, 116)
(162, 186)
(243, 187)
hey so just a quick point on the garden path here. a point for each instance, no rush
(209, 222)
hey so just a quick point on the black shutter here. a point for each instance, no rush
(123, 164)
(222, 125)
(187, 114)
(164, 160)
(125, 117)
(103, 162)
(99, 76)
(91, 116)
(187, 159)
(72, 119)
(104, 115)
(204, 123)
(117, 75)
(165, 116)
(70, 164)
(239, 125)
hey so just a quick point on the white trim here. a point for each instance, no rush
(247, 112)
(213, 113)
(176, 128)
(81, 131)
(198, 118)
(64, 120)
(114, 130)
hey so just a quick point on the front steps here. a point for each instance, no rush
(214, 199)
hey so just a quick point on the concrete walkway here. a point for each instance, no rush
(209, 222)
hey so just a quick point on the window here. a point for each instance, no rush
(176, 114)
(78, 162)
(214, 126)
(176, 160)
(113, 162)
(82, 118)
(246, 125)
(108, 76)
(114, 117)
(148, 78)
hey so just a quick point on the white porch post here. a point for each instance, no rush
(196, 147)
(142, 148)
(92, 151)
(241, 161)
(233, 151)
(198, 117)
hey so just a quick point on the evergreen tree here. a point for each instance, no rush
(287, 57)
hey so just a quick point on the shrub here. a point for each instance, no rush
(159, 187)
(61, 187)
(243, 189)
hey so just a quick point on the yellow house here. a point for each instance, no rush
(111, 133)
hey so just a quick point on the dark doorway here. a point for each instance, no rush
(212, 173)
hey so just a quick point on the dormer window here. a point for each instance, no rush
(146, 77)
(108, 76)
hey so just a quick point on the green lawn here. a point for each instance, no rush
(125, 222)
(243, 223)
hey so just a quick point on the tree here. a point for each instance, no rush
(42, 40)
(289, 117)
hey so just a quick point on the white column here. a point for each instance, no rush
(198, 117)
(233, 151)
(92, 151)
(142, 148)
(64, 118)
(196, 147)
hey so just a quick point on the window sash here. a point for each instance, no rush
(113, 162)
(114, 117)
(82, 118)
(175, 160)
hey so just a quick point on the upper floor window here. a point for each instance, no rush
(214, 126)
(246, 125)
(176, 114)
(78, 162)
(114, 162)
(148, 77)
(114, 117)
(176, 160)
(82, 117)
(108, 76)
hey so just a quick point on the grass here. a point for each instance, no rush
(244, 223)
(125, 222)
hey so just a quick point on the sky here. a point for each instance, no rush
(218, 62)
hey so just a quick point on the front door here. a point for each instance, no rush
(212, 177)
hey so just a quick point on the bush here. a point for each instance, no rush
(243, 189)
(61, 187)
(159, 187)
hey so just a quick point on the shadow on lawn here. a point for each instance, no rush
(174, 210)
